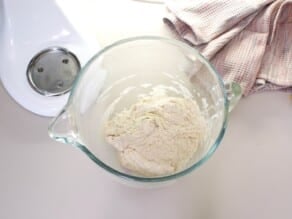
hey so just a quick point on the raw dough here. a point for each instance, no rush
(158, 135)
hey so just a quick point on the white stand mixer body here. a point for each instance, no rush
(28, 27)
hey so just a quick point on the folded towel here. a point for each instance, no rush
(249, 42)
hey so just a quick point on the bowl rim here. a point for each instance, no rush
(160, 178)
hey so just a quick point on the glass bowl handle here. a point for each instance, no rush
(234, 94)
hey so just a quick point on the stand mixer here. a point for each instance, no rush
(43, 46)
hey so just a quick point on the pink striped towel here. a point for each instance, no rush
(248, 41)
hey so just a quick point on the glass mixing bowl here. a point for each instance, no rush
(119, 75)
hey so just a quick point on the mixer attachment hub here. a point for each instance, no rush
(52, 72)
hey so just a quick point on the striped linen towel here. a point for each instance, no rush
(247, 41)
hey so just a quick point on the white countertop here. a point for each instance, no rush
(249, 176)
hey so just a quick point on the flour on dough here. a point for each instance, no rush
(158, 135)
